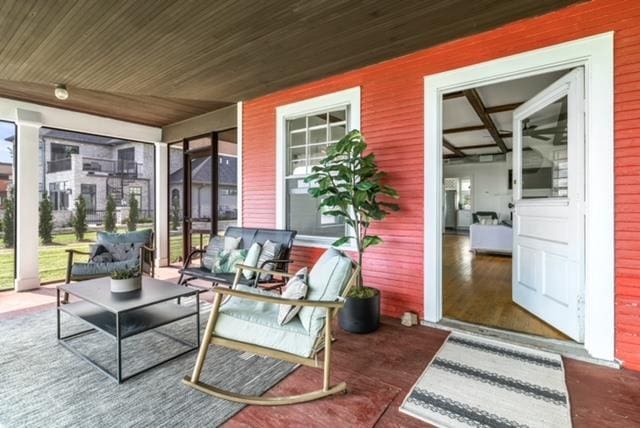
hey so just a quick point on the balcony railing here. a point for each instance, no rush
(124, 168)
(121, 168)
(59, 165)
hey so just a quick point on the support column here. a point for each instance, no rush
(27, 197)
(162, 205)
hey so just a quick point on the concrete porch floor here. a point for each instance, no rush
(381, 368)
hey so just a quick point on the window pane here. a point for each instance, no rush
(544, 157)
(338, 116)
(338, 132)
(316, 153)
(297, 139)
(318, 119)
(299, 123)
(317, 135)
(297, 161)
(303, 214)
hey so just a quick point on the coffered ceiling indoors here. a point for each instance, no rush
(157, 61)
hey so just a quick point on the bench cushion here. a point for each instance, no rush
(253, 322)
(218, 278)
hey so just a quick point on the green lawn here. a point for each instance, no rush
(52, 258)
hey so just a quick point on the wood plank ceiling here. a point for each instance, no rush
(158, 62)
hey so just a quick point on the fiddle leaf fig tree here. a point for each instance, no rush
(349, 185)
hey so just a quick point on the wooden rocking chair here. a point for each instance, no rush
(233, 323)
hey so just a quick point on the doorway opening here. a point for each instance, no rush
(512, 204)
(203, 191)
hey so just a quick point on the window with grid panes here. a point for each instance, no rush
(307, 140)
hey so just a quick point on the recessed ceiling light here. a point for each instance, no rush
(61, 92)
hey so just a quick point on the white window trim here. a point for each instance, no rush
(595, 54)
(349, 96)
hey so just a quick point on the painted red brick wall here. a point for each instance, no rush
(392, 121)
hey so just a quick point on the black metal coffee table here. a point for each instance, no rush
(123, 315)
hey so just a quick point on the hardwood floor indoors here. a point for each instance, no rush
(477, 289)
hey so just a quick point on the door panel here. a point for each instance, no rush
(548, 157)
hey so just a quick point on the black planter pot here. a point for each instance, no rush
(361, 315)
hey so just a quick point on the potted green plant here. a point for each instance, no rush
(124, 281)
(349, 185)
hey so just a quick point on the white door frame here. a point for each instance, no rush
(595, 54)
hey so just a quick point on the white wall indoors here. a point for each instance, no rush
(489, 184)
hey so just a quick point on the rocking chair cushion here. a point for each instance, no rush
(327, 279)
(254, 322)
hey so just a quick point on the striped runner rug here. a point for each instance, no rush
(478, 382)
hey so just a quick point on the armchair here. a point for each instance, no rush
(247, 321)
(139, 241)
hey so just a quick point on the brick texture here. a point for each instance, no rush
(392, 120)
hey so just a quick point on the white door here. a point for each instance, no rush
(548, 186)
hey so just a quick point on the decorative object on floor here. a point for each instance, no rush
(125, 281)
(121, 316)
(409, 319)
(248, 321)
(73, 394)
(349, 185)
(111, 252)
(473, 381)
(242, 238)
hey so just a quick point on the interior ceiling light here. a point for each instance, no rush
(61, 92)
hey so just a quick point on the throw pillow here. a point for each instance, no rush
(100, 254)
(214, 247)
(270, 251)
(211, 253)
(124, 251)
(296, 289)
(227, 260)
(485, 219)
(252, 260)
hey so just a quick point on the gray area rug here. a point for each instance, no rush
(44, 384)
(478, 382)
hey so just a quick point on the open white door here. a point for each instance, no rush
(549, 194)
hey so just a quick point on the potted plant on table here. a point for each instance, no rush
(124, 281)
(349, 185)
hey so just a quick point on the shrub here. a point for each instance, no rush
(45, 223)
(79, 219)
(110, 215)
(8, 221)
(134, 214)
(175, 213)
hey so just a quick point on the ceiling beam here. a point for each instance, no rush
(477, 146)
(502, 108)
(452, 95)
(464, 129)
(452, 148)
(476, 102)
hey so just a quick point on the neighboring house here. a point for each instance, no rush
(201, 187)
(73, 164)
